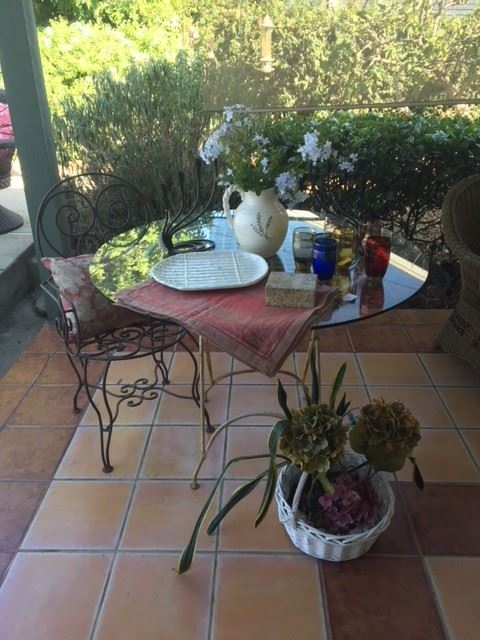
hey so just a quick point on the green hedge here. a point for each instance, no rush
(406, 164)
(390, 51)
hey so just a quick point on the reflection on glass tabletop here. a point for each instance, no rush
(128, 259)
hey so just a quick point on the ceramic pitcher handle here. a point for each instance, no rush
(226, 201)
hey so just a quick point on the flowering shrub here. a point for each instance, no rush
(261, 152)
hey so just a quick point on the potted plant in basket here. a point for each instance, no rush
(333, 503)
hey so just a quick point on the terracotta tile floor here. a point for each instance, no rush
(90, 556)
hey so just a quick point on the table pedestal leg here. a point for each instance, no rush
(206, 362)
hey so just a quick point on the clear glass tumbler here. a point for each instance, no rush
(302, 248)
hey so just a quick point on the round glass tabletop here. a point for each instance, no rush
(128, 259)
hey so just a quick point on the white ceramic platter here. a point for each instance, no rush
(210, 270)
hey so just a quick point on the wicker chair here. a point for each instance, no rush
(84, 212)
(461, 227)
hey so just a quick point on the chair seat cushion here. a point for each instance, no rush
(95, 313)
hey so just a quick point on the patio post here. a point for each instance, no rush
(27, 99)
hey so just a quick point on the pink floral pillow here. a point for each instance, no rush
(96, 314)
(6, 131)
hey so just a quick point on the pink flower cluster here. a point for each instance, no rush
(352, 504)
(6, 131)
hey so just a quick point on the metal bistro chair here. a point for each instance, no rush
(461, 227)
(84, 212)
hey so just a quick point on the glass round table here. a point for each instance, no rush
(127, 260)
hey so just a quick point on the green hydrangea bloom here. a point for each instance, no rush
(314, 438)
(386, 434)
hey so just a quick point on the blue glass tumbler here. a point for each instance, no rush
(324, 256)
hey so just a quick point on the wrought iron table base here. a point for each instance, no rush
(205, 361)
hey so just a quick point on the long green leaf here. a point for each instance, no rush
(188, 553)
(343, 406)
(417, 474)
(273, 439)
(241, 492)
(337, 383)
(282, 400)
(268, 495)
(315, 381)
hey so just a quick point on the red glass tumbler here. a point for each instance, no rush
(377, 256)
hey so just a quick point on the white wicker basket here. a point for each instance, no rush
(324, 545)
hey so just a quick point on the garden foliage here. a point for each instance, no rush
(123, 99)
(354, 52)
(145, 127)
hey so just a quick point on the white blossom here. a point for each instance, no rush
(286, 183)
(261, 139)
(229, 111)
(311, 149)
(345, 165)
(213, 146)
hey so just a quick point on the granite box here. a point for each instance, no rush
(291, 289)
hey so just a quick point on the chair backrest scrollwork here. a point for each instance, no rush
(82, 212)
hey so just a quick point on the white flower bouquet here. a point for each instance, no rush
(257, 152)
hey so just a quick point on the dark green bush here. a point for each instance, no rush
(406, 164)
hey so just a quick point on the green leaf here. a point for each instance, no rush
(188, 553)
(337, 383)
(343, 406)
(315, 381)
(282, 400)
(241, 492)
(417, 474)
(273, 439)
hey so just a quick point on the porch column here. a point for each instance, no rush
(27, 101)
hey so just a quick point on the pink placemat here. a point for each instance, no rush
(235, 321)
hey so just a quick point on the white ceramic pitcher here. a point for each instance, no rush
(260, 222)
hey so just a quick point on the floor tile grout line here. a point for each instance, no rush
(225, 552)
(22, 537)
(349, 338)
(326, 623)
(185, 480)
(437, 601)
(362, 376)
(456, 426)
(213, 592)
(34, 381)
(16, 406)
(469, 451)
(421, 556)
(47, 481)
(409, 338)
(103, 595)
